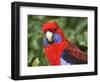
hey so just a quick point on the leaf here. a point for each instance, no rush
(36, 62)
(30, 57)
(43, 60)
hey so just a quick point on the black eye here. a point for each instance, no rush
(44, 32)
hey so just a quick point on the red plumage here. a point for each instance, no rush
(53, 51)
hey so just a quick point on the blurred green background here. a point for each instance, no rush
(74, 28)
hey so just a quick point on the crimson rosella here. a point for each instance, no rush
(58, 49)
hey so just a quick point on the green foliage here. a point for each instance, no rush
(74, 28)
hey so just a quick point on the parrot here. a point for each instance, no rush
(58, 49)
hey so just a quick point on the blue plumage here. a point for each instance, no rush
(57, 38)
(63, 58)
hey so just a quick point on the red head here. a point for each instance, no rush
(52, 27)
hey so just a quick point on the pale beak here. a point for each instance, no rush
(49, 36)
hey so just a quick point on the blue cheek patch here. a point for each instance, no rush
(45, 42)
(57, 38)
